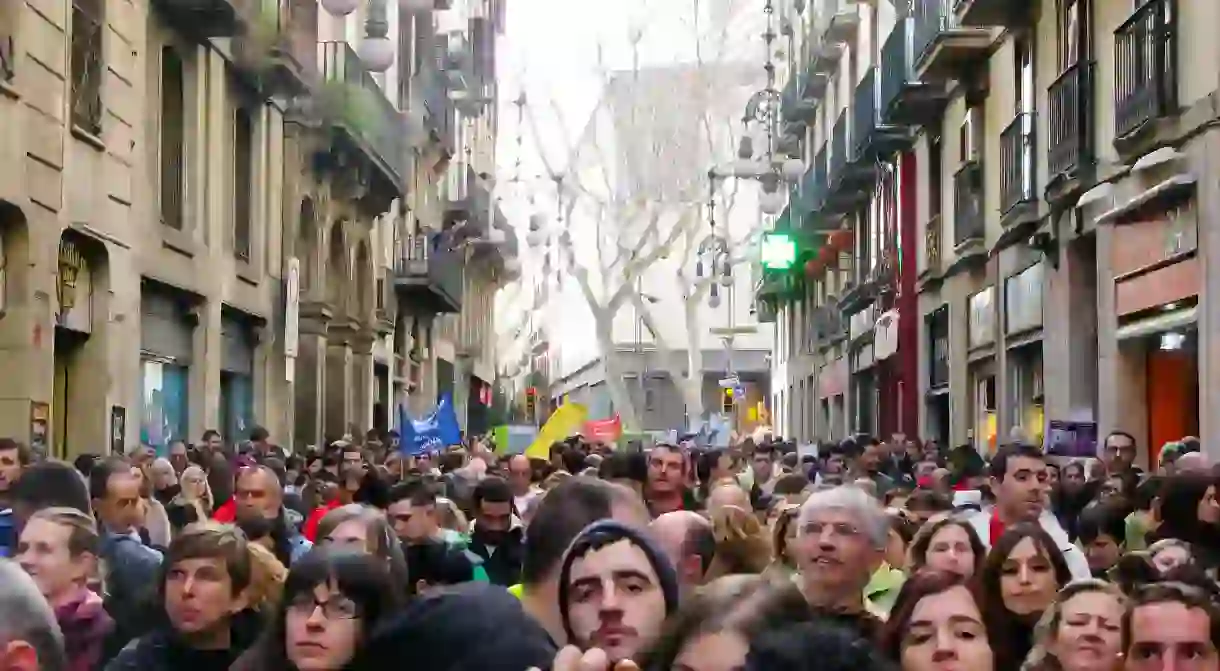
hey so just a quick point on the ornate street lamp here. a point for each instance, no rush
(376, 49)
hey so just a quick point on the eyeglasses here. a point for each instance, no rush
(335, 608)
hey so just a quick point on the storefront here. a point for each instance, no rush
(167, 329)
(864, 388)
(238, 342)
(937, 427)
(832, 387)
(478, 405)
(1157, 276)
(981, 369)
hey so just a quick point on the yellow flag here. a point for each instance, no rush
(565, 421)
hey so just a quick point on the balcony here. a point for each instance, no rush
(986, 13)
(904, 99)
(1070, 145)
(204, 19)
(440, 117)
(1018, 168)
(873, 138)
(813, 186)
(969, 224)
(428, 277)
(1146, 67)
(797, 107)
(368, 125)
(848, 175)
(838, 21)
(943, 47)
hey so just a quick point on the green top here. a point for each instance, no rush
(882, 589)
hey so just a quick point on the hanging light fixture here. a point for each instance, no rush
(340, 7)
(535, 239)
(745, 148)
(376, 50)
(537, 221)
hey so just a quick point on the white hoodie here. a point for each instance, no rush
(1077, 564)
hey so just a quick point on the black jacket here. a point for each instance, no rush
(502, 561)
(469, 626)
(163, 650)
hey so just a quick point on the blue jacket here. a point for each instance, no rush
(8, 533)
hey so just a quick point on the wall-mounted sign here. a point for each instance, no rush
(118, 428)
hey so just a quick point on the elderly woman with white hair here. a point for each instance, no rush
(841, 537)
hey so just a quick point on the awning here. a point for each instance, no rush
(1161, 323)
(885, 335)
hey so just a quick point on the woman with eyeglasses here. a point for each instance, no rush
(333, 600)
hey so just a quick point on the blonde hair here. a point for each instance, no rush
(203, 504)
(1040, 657)
(267, 576)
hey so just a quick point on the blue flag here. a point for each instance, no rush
(435, 431)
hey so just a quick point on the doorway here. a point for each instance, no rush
(68, 352)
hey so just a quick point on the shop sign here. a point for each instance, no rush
(981, 318)
(1023, 300)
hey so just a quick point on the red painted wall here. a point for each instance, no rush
(906, 361)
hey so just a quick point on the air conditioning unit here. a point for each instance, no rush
(971, 135)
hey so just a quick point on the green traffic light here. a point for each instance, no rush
(778, 251)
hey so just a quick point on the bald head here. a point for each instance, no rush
(1192, 462)
(686, 537)
(728, 495)
(258, 492)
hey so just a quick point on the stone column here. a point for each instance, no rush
(362, 378)
(310, 385)
(338, 410)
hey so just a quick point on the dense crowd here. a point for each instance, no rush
(866, 555)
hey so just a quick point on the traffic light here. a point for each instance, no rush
(778, 251)
(531, 403)
(726, 401)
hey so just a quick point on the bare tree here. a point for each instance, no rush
(646, 202)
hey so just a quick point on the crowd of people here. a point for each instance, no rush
(866, 555)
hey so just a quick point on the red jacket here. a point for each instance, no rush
(310, 529)
(226, 513)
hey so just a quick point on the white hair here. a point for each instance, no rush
(854, 501)
(26, 616)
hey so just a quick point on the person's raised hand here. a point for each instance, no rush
(571, 658)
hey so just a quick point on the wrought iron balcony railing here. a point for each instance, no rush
(897, 63)
(1145, 66)
(932, 17)
(968, 221)
(1070, 144)
(364, 111)
(428, 274)
(864, 113)
(839, 148)
(1017, 162)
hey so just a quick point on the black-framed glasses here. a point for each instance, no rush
(334, 608)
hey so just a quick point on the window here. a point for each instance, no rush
(173, 136)
(243, 174)
(1074, 33)
(8, 20)
(935, 159)
(1023, 74)
(163, 417)
(88, 19)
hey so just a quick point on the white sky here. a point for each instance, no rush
(550, 51)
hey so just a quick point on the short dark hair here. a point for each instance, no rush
(1102, 520)
(767, 449)
(258, 434)
(415, 490)
(1122, 434)
(493, 490)
(207, 435)
(51, 484)
(999, 462)
(99, 477)
(624, 466)
(211, 540)
(929, 500)
(24, 454)
(559, 518)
